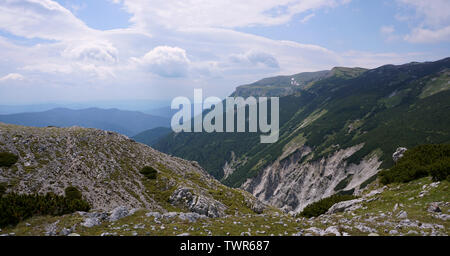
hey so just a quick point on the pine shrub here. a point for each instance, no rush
(8, 159)
(418, 162)
(320, 207)
(149, 172)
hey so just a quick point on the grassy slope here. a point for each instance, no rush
(378, 215)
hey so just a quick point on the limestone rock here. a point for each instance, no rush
(118, 213)
(398, 153)
(434, 207)
(350, 205)
(197, 203)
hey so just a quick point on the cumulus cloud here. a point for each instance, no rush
(165, 61)
(91, 51)
(12, 77)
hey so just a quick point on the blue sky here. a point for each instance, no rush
(74, 51)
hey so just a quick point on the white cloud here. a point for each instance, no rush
(91, 51)
(307, 18)
(434, 13)
(432, 21)
(422, 35)
(42, 19)
(165, 61)
(12, 77)
(219, 13)
(255, 58)
(141, 61)
(388, 32)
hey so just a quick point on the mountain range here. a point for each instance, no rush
(125, 122)
(110, 172)
(338, 129)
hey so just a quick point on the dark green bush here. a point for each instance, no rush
(3, 188)
(440, 170)
(7, 159)
(149, 172)
(418, 162)
(343, 183)
(320, 207)
(72, 193)
(18, 207)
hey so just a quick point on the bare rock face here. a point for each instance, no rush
(291, 185)
(105, 167)
(200, 204)
(398, 153)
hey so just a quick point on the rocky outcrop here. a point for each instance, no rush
(350, 205)
(200, 204)
(291, 185)
(398, 154)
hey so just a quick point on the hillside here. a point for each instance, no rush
(335, 134)
(125, 122)
(105, 167)
(416, 208)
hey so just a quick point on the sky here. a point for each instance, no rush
(107, 50)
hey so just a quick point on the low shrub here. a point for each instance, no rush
(440, 170)
(72, 193)
(320, 207)
(15, 208)
(8, 159)
(3, 188)
(149, 172)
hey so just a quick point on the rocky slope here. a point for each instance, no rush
(291, 185)
(421, 207)
(105, 167)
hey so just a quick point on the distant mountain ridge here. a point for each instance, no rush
(151, 136)
(336, 132)
(286, 85)
(125, 122)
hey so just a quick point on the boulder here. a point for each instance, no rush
(402, 215)
(200, 204)
(434, 207)
(190, 216)
(156, 215)
(398, 153)
(350, 205)
(118, 213)
(332, 230)
(91, 222)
